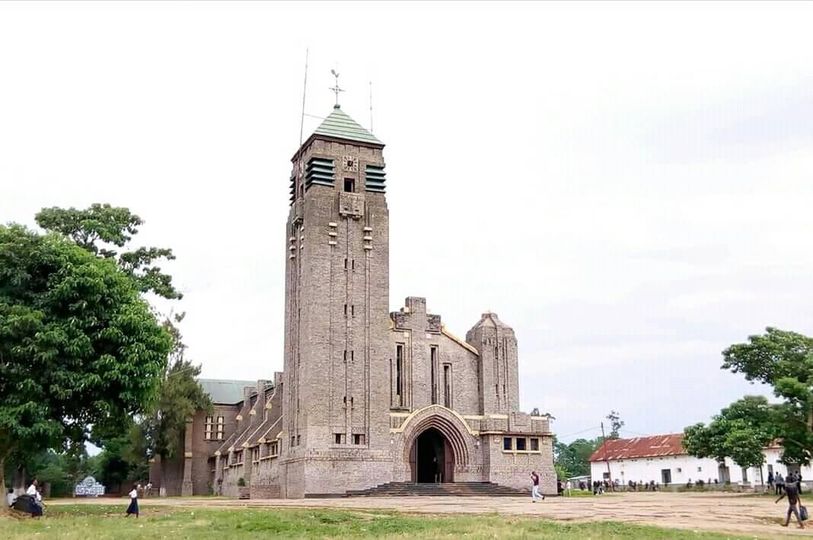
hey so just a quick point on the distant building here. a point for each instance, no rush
(367, 396)
(662, 459)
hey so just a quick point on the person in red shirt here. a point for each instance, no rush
(535, 489)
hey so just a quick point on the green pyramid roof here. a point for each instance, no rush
(341, 126)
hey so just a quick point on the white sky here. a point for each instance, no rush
(627, 185)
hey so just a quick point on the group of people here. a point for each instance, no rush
(34, 493)
(778, 483)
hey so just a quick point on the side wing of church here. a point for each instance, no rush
(367, 397)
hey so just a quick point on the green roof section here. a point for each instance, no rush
(223, 391)
(340, 126)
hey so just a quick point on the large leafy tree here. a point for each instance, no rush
(104, 230)
(739, 432)
(783, 360)
(179, 397)
(78, 344)
(574, 459)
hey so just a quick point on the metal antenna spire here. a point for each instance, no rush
(336, 88)
(304, 93)
(371, 106)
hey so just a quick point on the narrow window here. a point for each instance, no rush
(298, 439)
(220, 426)
(534, 445)
(352, 310)
(345, 356)
(447, 386)
(399, 367)
(521, 443)
(506, 443)
(352, 357)
(433, 361)
(345, 263)
(350, 185)
(345, 310)
(352, 264)
(209, 428)
(338, 438)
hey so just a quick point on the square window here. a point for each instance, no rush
(521, 443)
(534, 445)
(506, 443)
(358, 438)
(350, 185)
(338, 438)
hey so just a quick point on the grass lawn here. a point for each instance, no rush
(88, 522)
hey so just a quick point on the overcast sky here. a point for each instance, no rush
(627, 185)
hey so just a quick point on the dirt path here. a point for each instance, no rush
(728, 513)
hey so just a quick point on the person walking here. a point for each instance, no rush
(794, 503)
(133, 508)
(535, 487)
(770, 480)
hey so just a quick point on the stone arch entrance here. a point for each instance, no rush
(431, 458)
(443, 433)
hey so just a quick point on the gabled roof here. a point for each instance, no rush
(340, 126)
(225, 392)
(639, 447)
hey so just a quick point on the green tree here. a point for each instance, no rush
(574, 458)
(739, 432)
(615, 424)
(103, 229)
(783, 360)
(180, 396)
(78, 345)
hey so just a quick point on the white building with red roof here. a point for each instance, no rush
(663, 460)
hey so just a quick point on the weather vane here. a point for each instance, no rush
(336, 88)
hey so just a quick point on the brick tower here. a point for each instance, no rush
(336, 391)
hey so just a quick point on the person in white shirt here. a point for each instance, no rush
(10, 498)
(33, 491)
(133, 508)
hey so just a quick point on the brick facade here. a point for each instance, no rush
(367, 396)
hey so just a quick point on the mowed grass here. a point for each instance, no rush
(88, 522)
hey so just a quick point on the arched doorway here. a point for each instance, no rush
(432, 458)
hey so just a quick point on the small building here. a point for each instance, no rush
(663, 459)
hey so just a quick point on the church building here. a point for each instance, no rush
(367, 396)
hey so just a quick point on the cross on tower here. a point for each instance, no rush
(336, 88)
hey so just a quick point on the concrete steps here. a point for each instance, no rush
(457, 489)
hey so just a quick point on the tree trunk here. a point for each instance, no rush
(3, 506)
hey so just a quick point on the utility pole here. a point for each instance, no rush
(604, 444)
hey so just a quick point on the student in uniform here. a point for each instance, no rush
(133, 508)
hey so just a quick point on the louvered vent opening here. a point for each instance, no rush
(319, 171)
(374, 178)
(292, 190)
